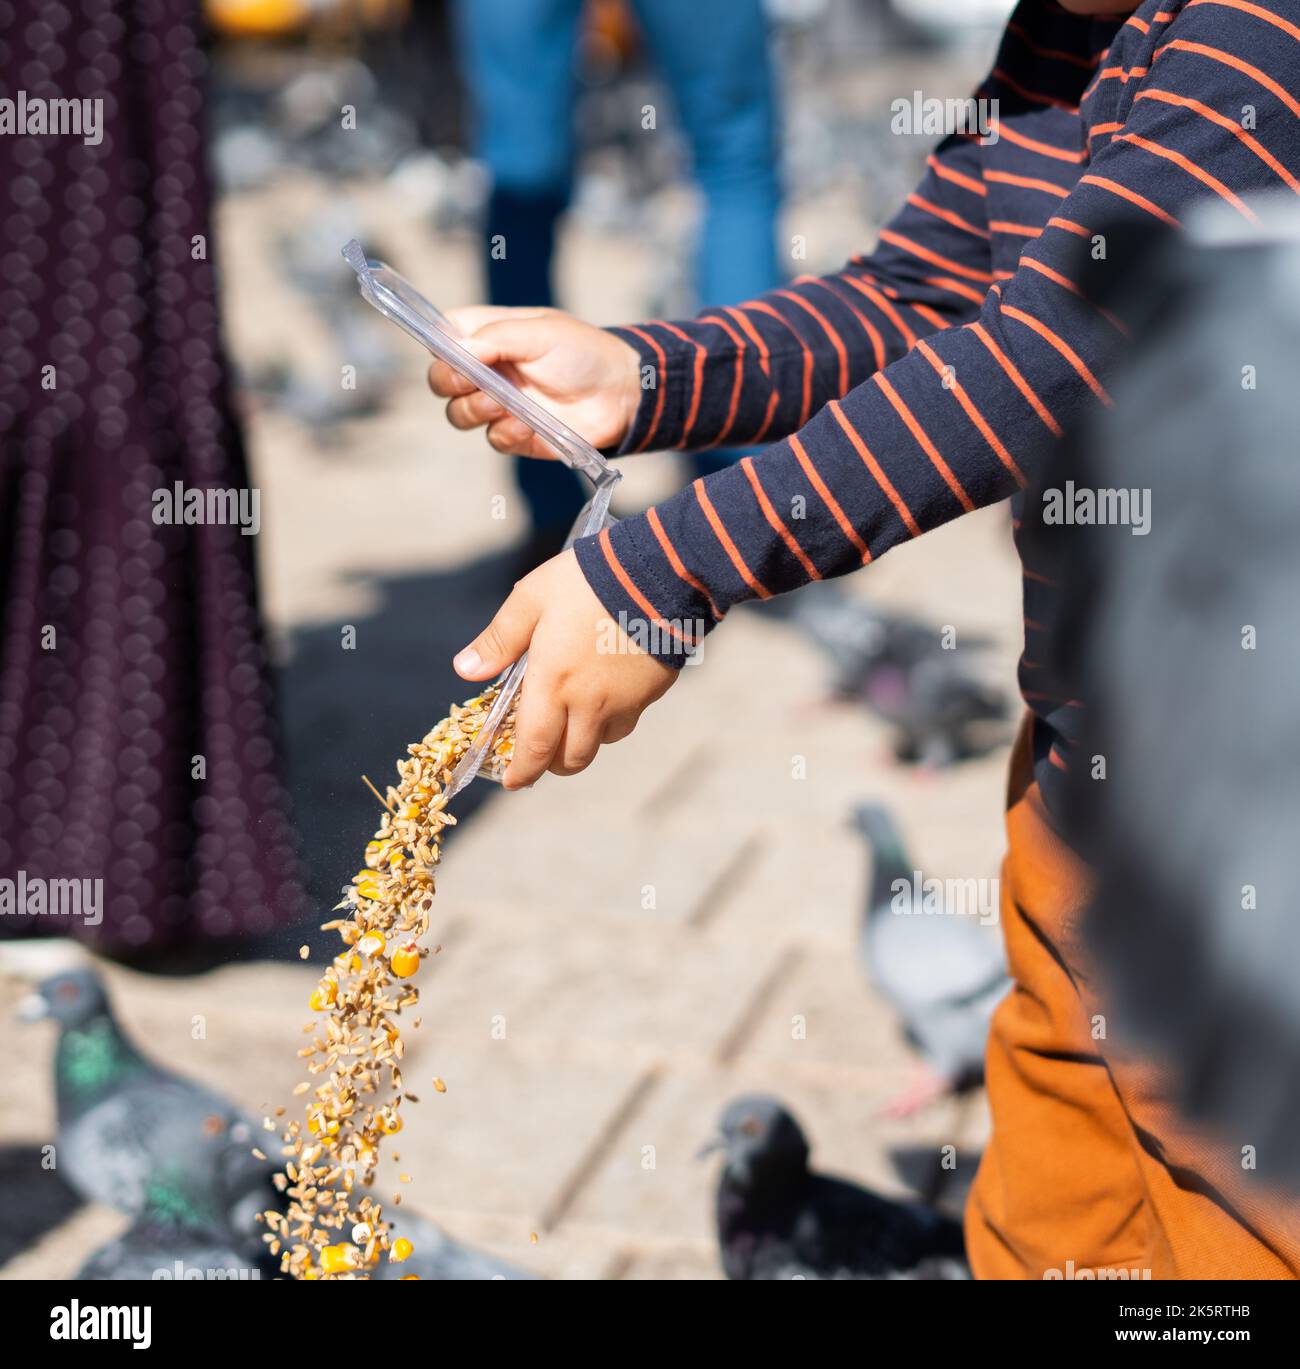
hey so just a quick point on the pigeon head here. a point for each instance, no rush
(761, 1141)
(70, 999)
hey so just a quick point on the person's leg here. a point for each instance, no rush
(517, 61)
(1088, 1168)
(716, 61)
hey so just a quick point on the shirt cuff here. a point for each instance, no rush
(666, 364)
(666, 616)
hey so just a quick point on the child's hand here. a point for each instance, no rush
(578, 694)
(581, 373)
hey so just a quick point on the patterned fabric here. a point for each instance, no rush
(128, 649)
(934, 375)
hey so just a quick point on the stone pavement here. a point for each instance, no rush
(623, 952)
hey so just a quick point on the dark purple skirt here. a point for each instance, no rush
(137, 736)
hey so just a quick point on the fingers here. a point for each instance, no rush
(502, 642)
(578, 746)
(539, 727)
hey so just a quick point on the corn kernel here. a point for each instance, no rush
(402, 1250)
(405, 960)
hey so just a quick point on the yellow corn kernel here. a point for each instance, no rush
(371, 944)
(338, 1259)
(402, 1250)
(405, 960)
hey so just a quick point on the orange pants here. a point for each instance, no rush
(1089, 1171)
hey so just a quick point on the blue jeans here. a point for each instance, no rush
(518, 61)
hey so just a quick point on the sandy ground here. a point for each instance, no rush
(622, 952)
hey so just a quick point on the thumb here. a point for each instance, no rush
(502, 642)
(512, 339)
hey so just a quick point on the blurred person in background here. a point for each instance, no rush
(930, 377)
(519, 60)
(137, 739)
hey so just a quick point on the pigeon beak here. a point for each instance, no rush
(33, 1008)
(710, 1148)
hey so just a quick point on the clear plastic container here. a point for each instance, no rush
(397, 299)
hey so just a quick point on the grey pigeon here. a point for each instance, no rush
(900, 669)
(124, 1120)
(941, 970)
(1184, 645)
(777, 1219)
(178, 1157)
(182, 1230)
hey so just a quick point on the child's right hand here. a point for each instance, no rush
(581, 373)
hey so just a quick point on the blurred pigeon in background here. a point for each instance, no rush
(1185, 645)
(437, 1256)
(779, 1220)
(901, 670)
(942, 971)
(123, 1120)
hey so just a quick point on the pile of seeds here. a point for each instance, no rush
(332, 1227)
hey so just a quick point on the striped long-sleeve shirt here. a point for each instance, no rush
(933, 375)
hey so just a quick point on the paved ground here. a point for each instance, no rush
(626, 1026)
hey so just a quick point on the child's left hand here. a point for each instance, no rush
(577, 697)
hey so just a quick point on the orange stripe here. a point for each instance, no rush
(1023, 230)
(1061, 154)
(1061, 346)
(955, 287)
(659, 388)
(828, 498)
(877, 474)
(907, 245)
(836, 341)
(930, 316)
(1097, 129)
(877, 342)
(1069, 225)
(1215, 55)
(728, 545)
(697, 382)
(753, 332)
(1192, 170)
(736, 382)
(923, 441)
(1257, 10)
(772, 402)
(1021, 384)
(1185, 102)
(1132, 196)
(946, 215)
(638, 598)
(946, 173)
(1069, 285)
(675, 561)
(883, 305)
(973, 414)
(806, 403)
(1114, 74)
(774, 521)
(1027, 182)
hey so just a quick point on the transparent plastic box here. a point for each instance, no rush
(397, 299)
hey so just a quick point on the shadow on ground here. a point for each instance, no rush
(348, 713)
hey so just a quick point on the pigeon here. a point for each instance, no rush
(902, 671)
(178, 1157)
(123, 1120)
(779, 1220)
(1184, 646)
(182, 1230)
(941, 970)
